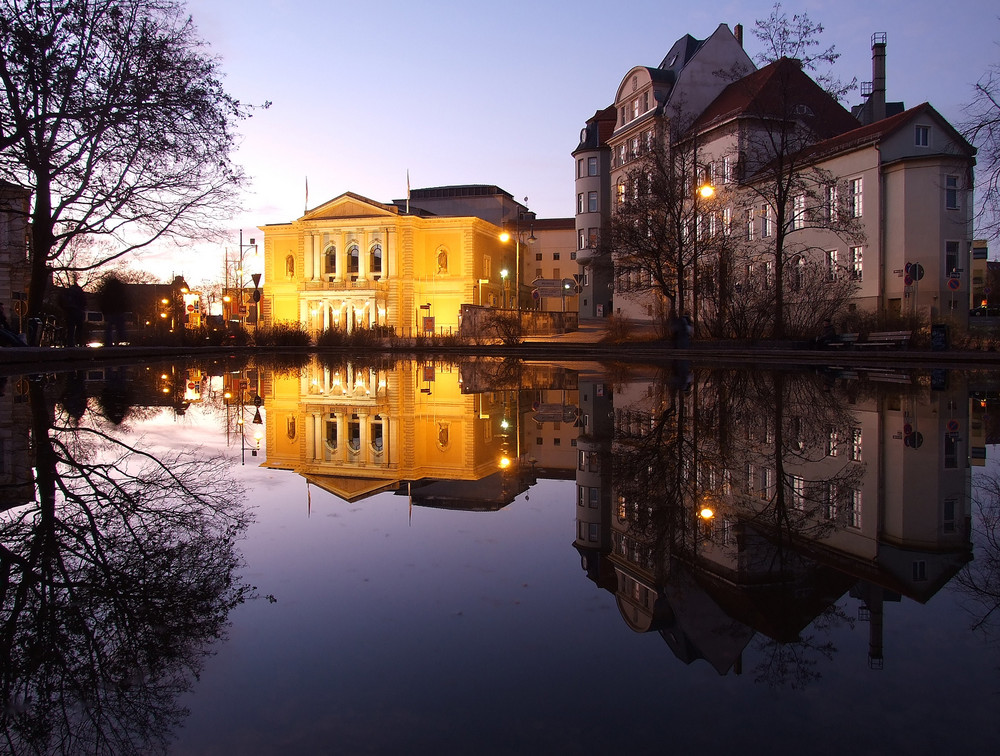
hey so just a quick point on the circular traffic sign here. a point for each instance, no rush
(908, 280)
(952, 426)
(190, 308)
(907, 429)
(954, 283)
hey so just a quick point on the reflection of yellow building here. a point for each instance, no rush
(355, 429)
(356, 263)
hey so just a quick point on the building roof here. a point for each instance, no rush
(680, 53)
(779, 90)
(874, 132)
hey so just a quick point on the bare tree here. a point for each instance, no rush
(115, 583)
(661, 228)
(982, 128)
(798, 37)
(114, 116)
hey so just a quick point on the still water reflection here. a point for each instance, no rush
(375, 556)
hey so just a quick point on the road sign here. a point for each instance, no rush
(987, 290)
(908, 280)
(952, 426)
(954, 283)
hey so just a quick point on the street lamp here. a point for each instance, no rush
(506, 286)
(704, 191)
(238, 277)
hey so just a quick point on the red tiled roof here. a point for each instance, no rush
(779, 90)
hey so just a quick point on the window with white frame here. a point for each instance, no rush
(832, 267)
(832, 443)
(591, 202)
(831, 203)
(765, 221)
(581, 239)
(579, 203)
(727, 221)
(751, 222)
(727, 170)
(856, 445)
(853, 502)
(855, 187)
(921, 135)
(591, 166)
(798, 212)
(951, 192)
(798, 492)
(856, 263)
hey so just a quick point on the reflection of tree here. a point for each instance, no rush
(980, 578)
(754, 448)
(794, 663)
(112, 585)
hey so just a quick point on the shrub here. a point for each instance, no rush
(617, 329)
(281, 335)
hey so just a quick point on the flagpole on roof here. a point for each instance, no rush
(407, 191)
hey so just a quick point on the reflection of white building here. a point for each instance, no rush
(14, 206)
(875, 498)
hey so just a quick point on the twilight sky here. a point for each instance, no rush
(496, 93)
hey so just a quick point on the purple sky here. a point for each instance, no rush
(470, 92)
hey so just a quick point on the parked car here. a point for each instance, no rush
(985, 311)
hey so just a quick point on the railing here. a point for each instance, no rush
(369, 284)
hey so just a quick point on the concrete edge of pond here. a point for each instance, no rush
(35, 359)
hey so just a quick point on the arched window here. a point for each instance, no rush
(353, 260)
(331, 260)
(290, 267)
(621, 191)
(331, 435)
(376, 260)
(290, 428)
(442, 260)
(377, 439)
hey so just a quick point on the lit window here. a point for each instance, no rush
(765, 221)
(831, 203)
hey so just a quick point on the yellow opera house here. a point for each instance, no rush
(355, 263)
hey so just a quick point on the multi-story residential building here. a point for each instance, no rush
(14, 271)
(884, 202)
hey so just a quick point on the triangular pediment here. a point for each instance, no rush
(349, 205)
(351, 489)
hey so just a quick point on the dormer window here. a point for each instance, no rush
(922, 136)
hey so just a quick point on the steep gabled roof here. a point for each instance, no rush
(779, 90)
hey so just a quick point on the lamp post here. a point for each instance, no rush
(704, 191)
(238, 278)
(506, 288)
(505, 237)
